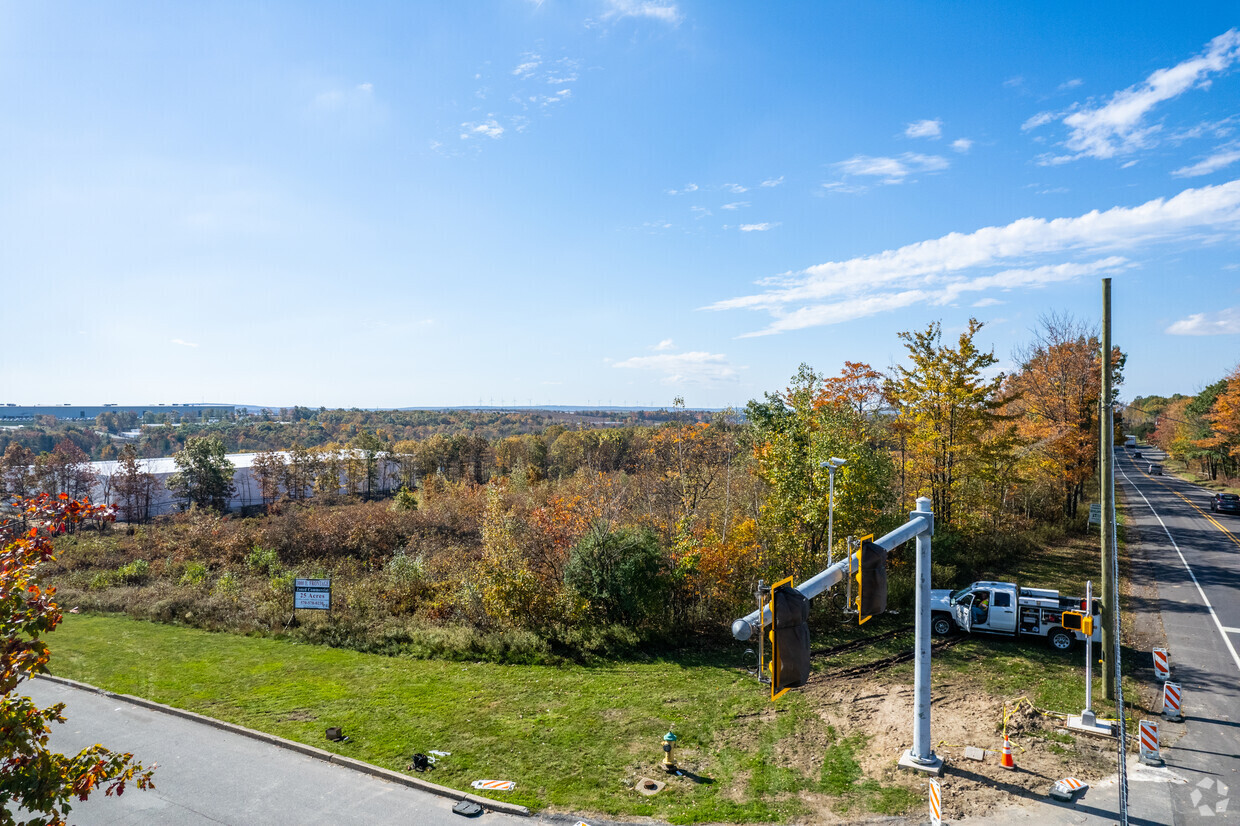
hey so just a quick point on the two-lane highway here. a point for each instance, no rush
(1194, 557)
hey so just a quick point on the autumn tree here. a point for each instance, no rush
(133, 487)
(1224, 417)
(300, 472)
(204, 476)
(34, 780)
(1054, 400)
(948, 406)
(17, 471)
(269, 468)
(792, 435)
(65, 469)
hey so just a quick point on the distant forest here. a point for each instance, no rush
(164, 434)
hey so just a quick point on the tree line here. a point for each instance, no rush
(566, 528)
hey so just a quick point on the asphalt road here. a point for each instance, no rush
(210, 776)
(1195, 559)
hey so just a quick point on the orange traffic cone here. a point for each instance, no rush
(1006, 760)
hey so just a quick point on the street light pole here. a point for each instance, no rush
(831, 465)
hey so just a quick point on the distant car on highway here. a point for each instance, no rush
(1155, 469)
(1225, 503)
(1136, 454)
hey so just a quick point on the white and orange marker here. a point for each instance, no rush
(1172, 698)
(1162, 664)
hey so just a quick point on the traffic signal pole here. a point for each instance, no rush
(920, 521)
(921, 756)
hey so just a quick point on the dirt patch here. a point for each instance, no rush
(881, 707)
(300, 715)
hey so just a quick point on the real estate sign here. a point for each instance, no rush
(315, 594)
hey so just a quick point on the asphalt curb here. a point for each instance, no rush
(301, 748)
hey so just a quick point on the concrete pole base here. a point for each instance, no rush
(1088, 724)
(932, 765)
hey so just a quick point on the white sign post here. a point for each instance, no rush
(312, 594)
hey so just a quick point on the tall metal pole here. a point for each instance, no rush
(1106, 437)
(921, 756)
(831, 518)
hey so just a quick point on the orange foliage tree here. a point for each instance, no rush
(32, 776)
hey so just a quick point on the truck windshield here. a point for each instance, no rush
(959, 595)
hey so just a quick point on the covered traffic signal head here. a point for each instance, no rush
(871, 580)
(789, 638)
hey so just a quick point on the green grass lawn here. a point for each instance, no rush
(573, 738)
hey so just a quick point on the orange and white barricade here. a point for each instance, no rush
(936, 804)
(1067, 788)
(1148, 735)
(1162, 664)
(1172, 700)
(495, 785)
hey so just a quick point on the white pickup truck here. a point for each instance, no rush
(1003, 608)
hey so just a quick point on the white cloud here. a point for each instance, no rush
(1223, 156)
(1070, 84)
(1040, 119)
(489, 128)
(661, 11)
(687, 188)
(665, 344)
(694, 367)
(924, 129)
(735, 205)
(769, 182)
(940, 269)
(529, 65)
(962, 145)
(735, 189)
(1118, 126)
(1222, 323)
(763, 227)
(699, 211)
(182, 343)
(892, 170)
(1014, 82)
(987, 302)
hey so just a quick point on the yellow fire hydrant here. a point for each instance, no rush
(669, 761)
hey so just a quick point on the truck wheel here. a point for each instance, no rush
(1060, 639)
(941, 625)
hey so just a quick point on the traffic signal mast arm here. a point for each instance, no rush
(743, 628)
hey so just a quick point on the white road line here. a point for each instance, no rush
(1221, 630)
(1232, 630)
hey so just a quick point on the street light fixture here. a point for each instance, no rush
(832, 465)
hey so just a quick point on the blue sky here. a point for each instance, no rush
(600, 202)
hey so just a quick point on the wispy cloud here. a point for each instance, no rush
(962, 145)
(687, 188)
(1222, 323)
(182, 343)
(664, 345)
(528, 66)
(489, 128)
(891, 170)
(693, 367)
(769, 182)
(1119, 126)
(1222, 157)
(763, 227)
(1070, 84)
(987, 302)
(664, 12)
(735, 205)
(941, 269)
(735, 189)
(924, 129)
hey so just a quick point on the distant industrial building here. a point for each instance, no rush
(77, 412)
